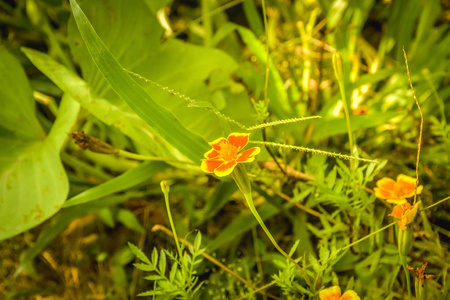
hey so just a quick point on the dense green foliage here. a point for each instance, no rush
(158, 81)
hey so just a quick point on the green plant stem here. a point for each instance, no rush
(437, 203)
(207, 24)
(408, 279)
(165, 190)
(266, 78)
(240, 177)
(135, 156)
(314, 151)
(338, 65)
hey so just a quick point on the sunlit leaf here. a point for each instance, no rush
(33, 182)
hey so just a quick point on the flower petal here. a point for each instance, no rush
(399, 210)
(350, 295)
(386, 183)
(248, 155)
(383, 194)
(239, 140)
(216, 143)
(401, 225)
(331, 293)
(410, 214)
(396, 200)
(208, 166)
(411, 192)
(406, 180)
(408, 185)
(211, 154)
(225, 169)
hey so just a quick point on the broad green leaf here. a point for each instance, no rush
(178, 66)
(279, 101)
(132, 23)
(33, 182)
(253, 17)
(136, 97)
(191, 70)
(156, 5)
(127, 122)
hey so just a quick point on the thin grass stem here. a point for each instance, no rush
(314, 151)
(135, 156)
(421, 126)
(165, 189)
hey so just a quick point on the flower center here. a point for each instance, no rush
(228, 151)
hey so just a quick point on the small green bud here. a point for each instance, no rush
(165, 188)
(338, 66)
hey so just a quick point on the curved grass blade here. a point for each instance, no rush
(122, 182)
(188, 143)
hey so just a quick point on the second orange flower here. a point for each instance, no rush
(397, 191)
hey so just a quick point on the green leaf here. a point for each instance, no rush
(198, 241)
(162, 262)
(293, 248)
(127, 122)
(139, 254)
(33, 182)
(134, 24)
(144, 267)
(175, 66)
(161, 120)
(241, 224)
(152, 293)
(253, 17)
(130, 221)
(154, 256)
(173, 272)
(153, 277)
(279, 100)
(122, 182)
(189, 70)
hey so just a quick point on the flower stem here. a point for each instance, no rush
(240, 177)
(408, 279)
(338, 65)
(135, 156)
(165, 189)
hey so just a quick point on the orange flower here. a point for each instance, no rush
(405, 213)
(397, 191)
(334, 293)
(224, 155)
